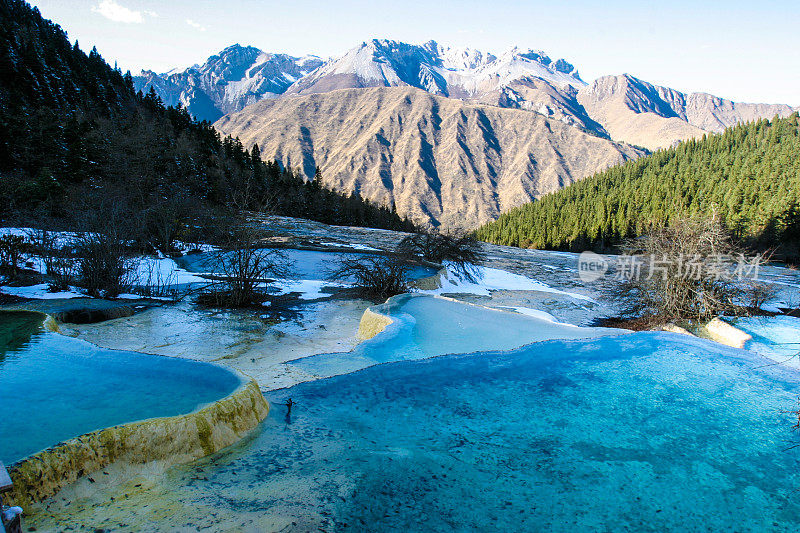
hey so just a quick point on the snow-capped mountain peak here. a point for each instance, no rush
(228, 81)
(241, 75)
(441, 70)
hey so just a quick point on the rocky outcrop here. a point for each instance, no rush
(723, 333)
(170, 440)
(440, 161)
(371, 324)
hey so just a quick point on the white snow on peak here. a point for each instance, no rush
(241, 75)
(228, 81)
(459, 58)
(442, 70)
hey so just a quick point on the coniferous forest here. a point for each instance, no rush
(749, 175)
(76, 140)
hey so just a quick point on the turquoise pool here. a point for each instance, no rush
(53, 387)
(776, 337)
(642, 432)
(426, 326)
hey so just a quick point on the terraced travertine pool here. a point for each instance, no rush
(775, 337)
(639, 432)
(425, 326)
(54, 387)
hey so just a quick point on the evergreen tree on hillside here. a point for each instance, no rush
(750, 174)
(74, 134)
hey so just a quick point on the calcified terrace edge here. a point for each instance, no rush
(185, 438)
(167, 440)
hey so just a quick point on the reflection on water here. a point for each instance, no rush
(17, 329)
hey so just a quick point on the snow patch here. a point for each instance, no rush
(493, 279)
(309, 289)
(40, 292)
(537, 313)
(352, 246)
(163, 272)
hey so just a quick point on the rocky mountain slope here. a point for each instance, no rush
(637, 112)
(439, 160)
(622, 108)
(237, 77)
(452, 136)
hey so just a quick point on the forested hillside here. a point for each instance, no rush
(76, 138)
(750, 175)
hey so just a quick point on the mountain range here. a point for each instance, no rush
(441, 131)
(229, 81)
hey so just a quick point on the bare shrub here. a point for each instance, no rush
(61, 273)
(376, 277)
(43, 243)
(688, 271)
(166, 221)
(103, 268)
(759, 293)
(58, 261)
(151, 282)
(461, 250)
(244, 267)
(11, 249)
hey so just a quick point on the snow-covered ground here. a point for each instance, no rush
(539, 284)
(40, 292)
(488, 279)
(162, 271)
(308, 289)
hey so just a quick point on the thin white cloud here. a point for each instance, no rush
(113, 11)
(195, 25)
(151, 14)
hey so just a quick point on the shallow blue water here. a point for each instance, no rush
(643, 432)
(777, 337)
(426, 326)
(302, 264)
(54, 387)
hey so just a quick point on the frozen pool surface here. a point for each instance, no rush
(427, 326)
(53, 387)
(303, 264)
(643, 432)
(775, 337)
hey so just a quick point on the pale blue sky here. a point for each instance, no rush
(742, 50)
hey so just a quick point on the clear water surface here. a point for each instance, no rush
(53, 387)
(425, 326)
(640, 432)
(776, 337)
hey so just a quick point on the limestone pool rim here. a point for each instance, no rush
(372, 319)
(374, 322)
(172, 439)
